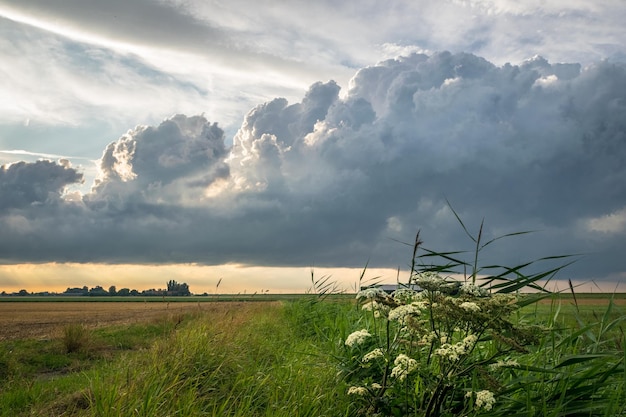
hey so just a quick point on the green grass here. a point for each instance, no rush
(248, 362)
(281, 360)
(35, 374)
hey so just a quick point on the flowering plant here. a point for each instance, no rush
(429, 352)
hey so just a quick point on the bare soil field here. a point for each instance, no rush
(45, 320)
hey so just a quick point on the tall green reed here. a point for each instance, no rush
(458, 347)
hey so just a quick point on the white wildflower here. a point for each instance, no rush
(356, 338)
(371, 293)
(448, 351)
(473, 290)
(470, 341)
(357, 391)
(453, 352)
(470, 307)
(459, 348)
(499, 300)
(373, 355)
(379, 309)
(428, 338)
(404, 295)
(430, 281)
(404, 365)
(376, 385)
(485, 399)
(420, 305)
(511, 363)
(402, 312)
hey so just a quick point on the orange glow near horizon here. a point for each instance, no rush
(235, 278)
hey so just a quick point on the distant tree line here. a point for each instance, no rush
(173, 289)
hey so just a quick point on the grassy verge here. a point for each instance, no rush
(48, 377)
(246, 363)
(258, 360)
(282, 359)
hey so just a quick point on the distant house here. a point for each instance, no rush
(390, 288)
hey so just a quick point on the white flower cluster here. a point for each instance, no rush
(502, 299)
(356, 338)
(379, 309)
(400, 313)
(428, 338)
(454, 352)
(429, 281)
(373, 355)
(371, 293)
(473, 290)
(405, 295)
(403, 366)
(357, 391)
(484, 399)
(421, 305)
(470, 307)
(511, 363)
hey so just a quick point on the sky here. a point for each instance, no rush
(255, 142)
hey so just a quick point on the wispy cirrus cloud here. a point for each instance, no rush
(40, 155)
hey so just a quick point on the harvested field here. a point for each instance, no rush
(45, 320)
(584, 299)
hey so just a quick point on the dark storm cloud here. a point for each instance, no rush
(41, 183)
(333, 180)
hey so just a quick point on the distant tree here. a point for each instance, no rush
(77, 291)
(23, 292)
(98, 291)
(134, 292)
(112, 290)
(154, 292)
(123, 292)
(175, 288)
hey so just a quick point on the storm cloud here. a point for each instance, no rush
(337, 179)
(23, 185)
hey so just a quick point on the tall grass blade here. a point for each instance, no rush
(460, 221)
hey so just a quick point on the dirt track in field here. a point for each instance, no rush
(45, 320)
